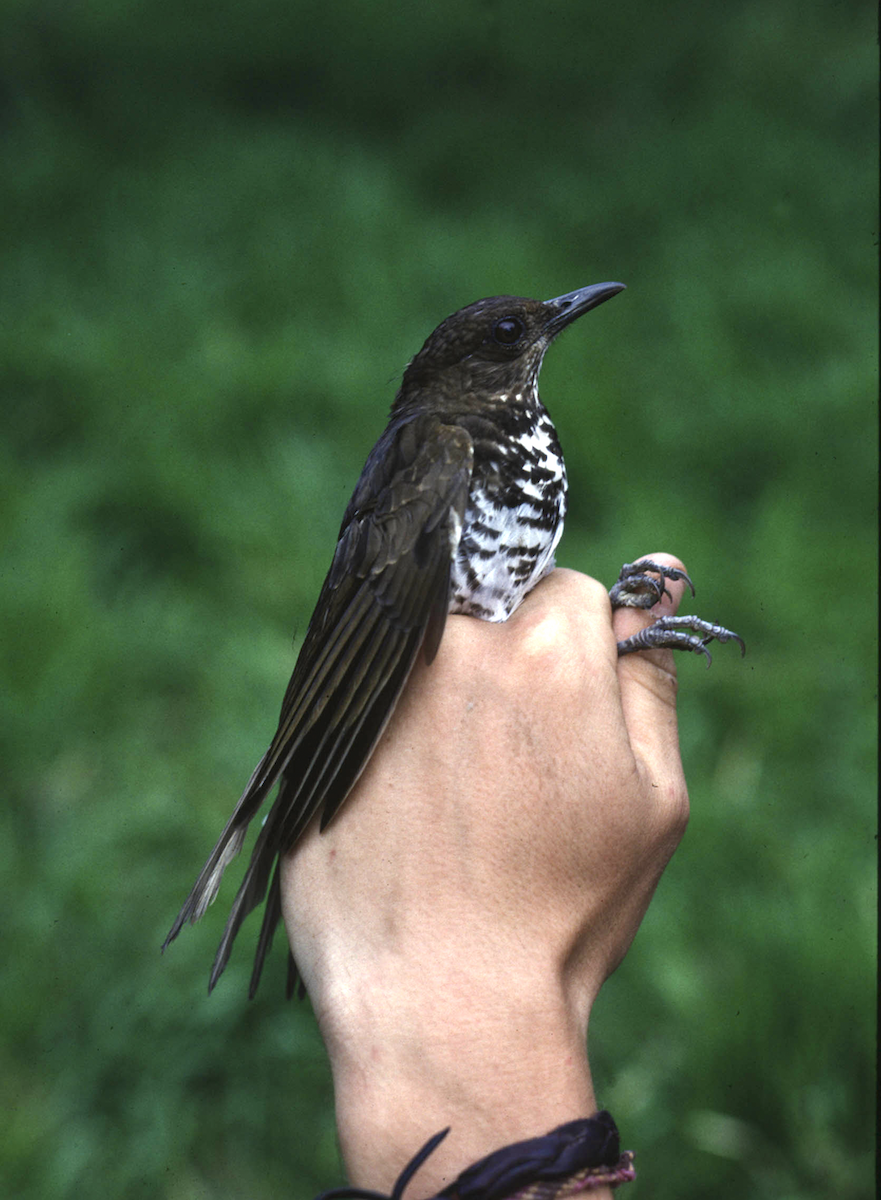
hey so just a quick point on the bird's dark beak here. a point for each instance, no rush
(571, 306)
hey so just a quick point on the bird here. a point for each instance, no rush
(459, 509)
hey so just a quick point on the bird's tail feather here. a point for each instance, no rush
(206, 887)
(271, 918)
(250, 893)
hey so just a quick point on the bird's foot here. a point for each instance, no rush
(635, 588)
(680, 633)
(638, 587)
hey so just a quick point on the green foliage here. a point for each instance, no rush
(227, 227)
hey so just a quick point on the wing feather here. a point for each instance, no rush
(385, 596)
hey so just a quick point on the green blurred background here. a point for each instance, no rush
(225, 229)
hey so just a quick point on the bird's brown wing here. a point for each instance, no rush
(385, 597)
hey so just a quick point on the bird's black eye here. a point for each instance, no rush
(508, 331)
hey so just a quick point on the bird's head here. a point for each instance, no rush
(493, 347)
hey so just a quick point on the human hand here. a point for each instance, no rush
(488, 872)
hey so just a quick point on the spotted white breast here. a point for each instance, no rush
(513, 522)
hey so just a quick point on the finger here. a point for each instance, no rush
(565, 617)
(648, 692)
(564, 590)
(627, 621)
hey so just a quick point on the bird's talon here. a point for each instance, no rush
(680, 633)
(638, 587)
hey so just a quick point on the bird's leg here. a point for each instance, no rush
(641, 585)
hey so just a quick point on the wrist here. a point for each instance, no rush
(496, 1064)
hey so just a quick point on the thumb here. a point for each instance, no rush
(648, 690)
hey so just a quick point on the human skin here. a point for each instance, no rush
(486, 875)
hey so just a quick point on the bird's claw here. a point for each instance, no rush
(642, 585)
(636, 588)
(680, 633)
